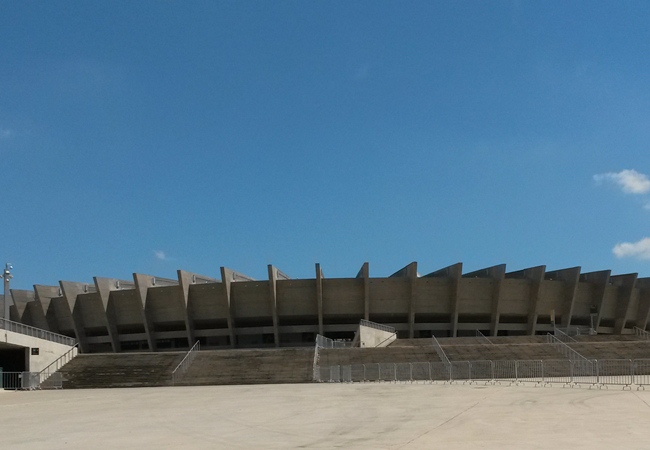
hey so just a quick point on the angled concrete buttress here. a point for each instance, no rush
(625, 284)
(229, 276)
(600, 281)
(274, 276)
(643, 285)
(319, 298)
(453, 273)
(71, 290)
(104, 287)
(21, 298)
(534, 275)
(411, 272)
(142, 285)
(43, 313)
(364, 274)
(185, 280)
(571, 278)
(497, 275)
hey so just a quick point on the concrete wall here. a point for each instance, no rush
(48, 352)
(371, 337)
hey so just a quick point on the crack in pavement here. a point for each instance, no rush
(441, 424)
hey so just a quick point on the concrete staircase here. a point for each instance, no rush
(500, 351)
(614, 349)
(103, 370)
(392, 354)
(271, 366)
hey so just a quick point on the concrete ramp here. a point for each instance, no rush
(371, 334)
(39, 347)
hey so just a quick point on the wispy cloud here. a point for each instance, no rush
(159, 254)
(5, 133)
(630, 181)
(638, 250)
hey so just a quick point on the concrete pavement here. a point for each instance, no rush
(360, 416)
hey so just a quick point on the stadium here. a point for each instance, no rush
(150, 313)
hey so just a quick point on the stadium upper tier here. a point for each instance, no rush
(152, 313)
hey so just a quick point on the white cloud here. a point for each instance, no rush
(630, 181)
(638, 250)
(159, 254)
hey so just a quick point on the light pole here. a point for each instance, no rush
(6, 275)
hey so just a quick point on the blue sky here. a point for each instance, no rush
(154, 136)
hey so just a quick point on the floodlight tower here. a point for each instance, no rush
(6, 275)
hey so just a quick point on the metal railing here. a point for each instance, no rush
(483, 337)
(562, 336)
(29, 381)
(325, 342)
(376, 326)
(565, 372)
(185, 363)
(64, 359)
(564, 349)
(441, 353)
(17, 327)
(576, 330)
(641, 333)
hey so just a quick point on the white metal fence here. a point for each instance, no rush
(30, 380)
(565, 372)
(376, 326)
(35, 332)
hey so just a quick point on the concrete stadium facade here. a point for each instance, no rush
(155, 314)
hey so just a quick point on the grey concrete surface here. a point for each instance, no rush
(381, 416)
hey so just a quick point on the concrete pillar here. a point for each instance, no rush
(455, 273)
(625, 284)
(364, 273)
(70, 291)
(227, 277)
(411, 272)
(600, 280)
(273, 296)
(319, 298)
(570, 277)
(142, 285)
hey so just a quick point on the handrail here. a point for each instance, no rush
(562, 336)
(641, 333)
(67, 357)
(20, 328)
(481, 335)
(376, 326)
(564, 349)
(185, 362)
(441, 353)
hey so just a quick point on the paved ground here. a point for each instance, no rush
(370, 416)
